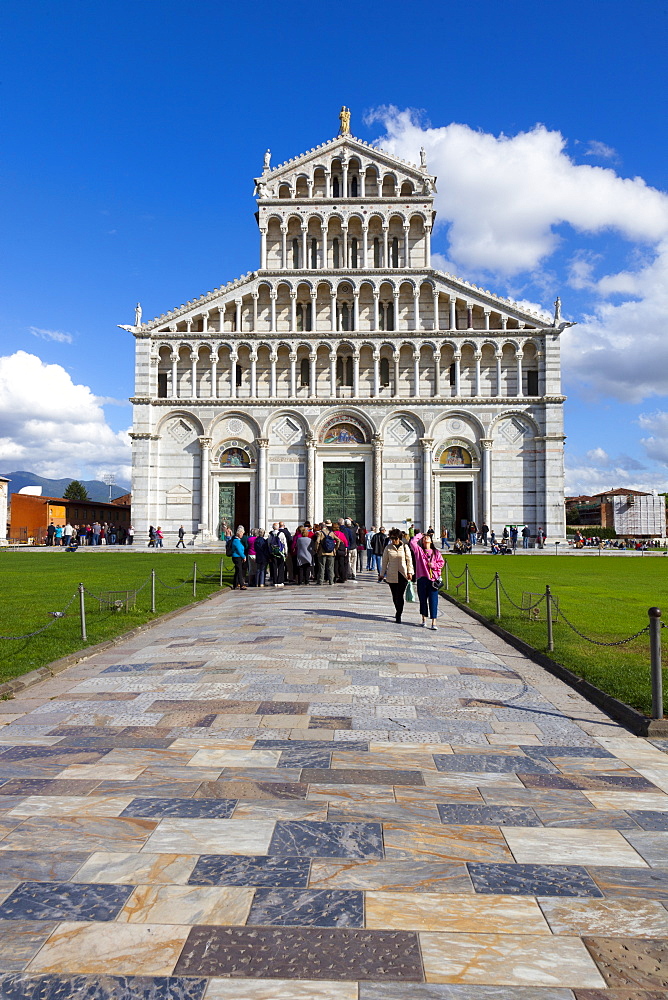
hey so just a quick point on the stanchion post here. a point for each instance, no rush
(82, 611)
(466, 573)
(194, 579)
(497, 582)
(548, 615)
(153, 591)
(447, 575)
(655, 659)
(221, 571)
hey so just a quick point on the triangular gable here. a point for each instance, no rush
(352, 145)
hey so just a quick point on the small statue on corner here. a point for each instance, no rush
(557, 311)
(423, 158)
(344, 118)
(267, 159)
(138, 314)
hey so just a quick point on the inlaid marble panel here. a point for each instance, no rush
(190, 904)
(233, 870)
(128, 949)
(495, 762)
(625, 961)
(40, 866)
(467, 913)
(130, 869)
(24, 986)
(327, 840)
(410, 876)
(444, 843)
(570, 846)
(606, 917)
(533, 880)
(210, 836)
(301, 953)
(64, 901)
(180, 808)
(307, 908)
(20, 940)
(279, 989)
(482, 815)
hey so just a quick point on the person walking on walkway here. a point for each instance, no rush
(526, 534)
(239, 560)
(397, 570)
(428, 565)
(180, 542)
(151, 537)
(303, 556)
(370, 535)
(261, 557)
(380, 541)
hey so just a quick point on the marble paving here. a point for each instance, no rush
(283, 795)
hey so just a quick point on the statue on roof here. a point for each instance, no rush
(138, 314)
(423, 158)
(557, 311)
(344, 118)
(267, 159)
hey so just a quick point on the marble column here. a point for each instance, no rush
(356, 374)
(469, 316)
(437, 320)
(486, 474)
(253, 360)
(328, 183)
(416, 374)
(344, 246)
(263, 249)
(323, 232)
(314, 312)
(214, 374)
(174, 358)
(416, 309)
(332, 372)
(458, 374)
(519, 357)
(487, 312)
(293, 375)
(365, 247)
(453, 313)
(395, 294)
(272, 296)
(284, 247)
(427, 246)
(396, 375)
(310, 478)
(262, 446)
(193, 374)
(205, 445)
(407, 250)
(255, 296)
(386, 258)
(304, 260)
(427, 446)
(377, 480)
(498, 358)
(237, 315)
(477, 357)
(205, 322)
(312, 382)
(233, 375)
(376, 373)
(293, 311)
(273, 358)
(376, 317)
(332, 310)
(356, 310)
(437, 373)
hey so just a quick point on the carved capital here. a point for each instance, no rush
(262, 442)
(486, 444)
(204, 442)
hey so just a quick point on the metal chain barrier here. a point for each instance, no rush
(597, 642)
(519, 606)
(178, 585)
(456, 576)
(477, 585)
(53, 621)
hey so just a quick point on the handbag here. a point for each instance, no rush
(437, 584)
(410, 592)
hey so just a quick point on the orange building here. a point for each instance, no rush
(31, 516)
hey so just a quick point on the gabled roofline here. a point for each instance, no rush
(343, 140)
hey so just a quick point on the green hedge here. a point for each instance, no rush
(589, 530)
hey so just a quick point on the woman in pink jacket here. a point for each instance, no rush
(428, 566)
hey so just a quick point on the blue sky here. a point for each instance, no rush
(133, 130)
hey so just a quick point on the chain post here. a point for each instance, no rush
(655, 660)
(447, 575)
(82, 611)
(221, 571)
(497, 581)
(195, 579)
(548, 615)
(466, 572)
(153, 591)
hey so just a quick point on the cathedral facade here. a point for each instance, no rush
(346, 376)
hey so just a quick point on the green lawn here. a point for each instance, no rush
(606, 598)
(34, 583)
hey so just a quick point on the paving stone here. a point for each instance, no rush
(64, 901)
(50, 987)
(219, 869)
(212, 808)
(621, 882)
(630, 961)
(307, 908)
(533, 880)
(301, 953)
(327, 840)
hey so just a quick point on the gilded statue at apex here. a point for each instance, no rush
(344, 118)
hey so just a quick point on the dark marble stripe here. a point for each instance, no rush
(305, 758)
(64, 901)
(47, 786)
(246, 870)
(20, 940)
(620, 883)
(57, 987)
(183, 808)
(532, 880)
(360, 776)
(482, 815)
(557, 751)
(646, 819)
(449, 991)
(313, 839)
(491, 763)
(282, 708)
(50, 756)
(301, 953)
(127, 668)
(307, 908)
(107, 743)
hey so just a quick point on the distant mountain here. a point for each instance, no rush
(96, 490)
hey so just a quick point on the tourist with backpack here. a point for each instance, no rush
(238, 553)
(326, 545)
(278, 550)
(261, 557)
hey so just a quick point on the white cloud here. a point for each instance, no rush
(504, 198)
(601, 149)
(586, 477)
(505, 195)
(53, 427)
(58, 335)
(656, 444)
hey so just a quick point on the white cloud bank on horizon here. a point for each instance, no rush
(52, 427)
(504, 198)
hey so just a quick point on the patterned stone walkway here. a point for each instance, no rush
(282, 795)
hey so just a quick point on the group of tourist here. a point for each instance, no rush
(71, 536)
(580, 541)
(333, 552)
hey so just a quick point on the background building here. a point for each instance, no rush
(30, 515)
(629, 512)
(347, 376)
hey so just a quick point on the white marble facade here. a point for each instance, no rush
(346, 346)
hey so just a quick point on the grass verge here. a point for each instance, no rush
(33, 584)
(606, 599)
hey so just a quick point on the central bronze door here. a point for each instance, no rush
(343, 490)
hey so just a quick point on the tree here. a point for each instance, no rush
(76, 491)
